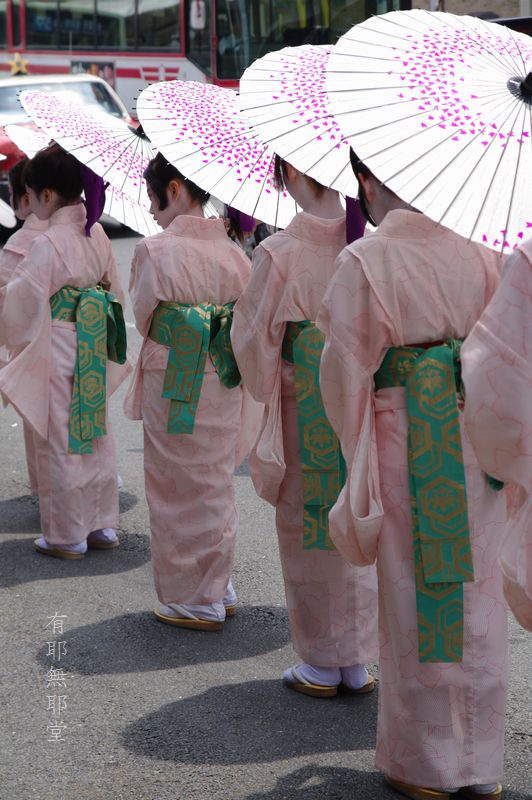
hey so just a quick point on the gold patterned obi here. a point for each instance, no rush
(322, 464)
(442, 550)
(191, 333)
(101, 335)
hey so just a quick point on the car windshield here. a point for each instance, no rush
(84, 92)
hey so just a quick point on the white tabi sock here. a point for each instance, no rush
(354, 677)
(230, 598)
(103, 535)
(211, 611)
(81, 547)
(319, 676)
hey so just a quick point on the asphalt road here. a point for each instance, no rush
(155, 713)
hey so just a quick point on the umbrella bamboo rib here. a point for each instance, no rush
(114, 143)
(483, 155)
(514, 183)
(229, 138)
(488, 59)
(492, 183)
(490, 34)
(420, 132)
(443, 141)
(488, 62)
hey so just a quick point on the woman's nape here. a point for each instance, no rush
(311, 196)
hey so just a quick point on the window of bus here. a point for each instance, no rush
(383, 6)
(159, 25)
(198, 24)
(144, 25)
(248, 29)
(115, 24)
(64, 24)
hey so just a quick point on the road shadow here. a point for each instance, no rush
(250, 723)
(140, 643)
(126, 501)
(314, 782)
(20, 563)
(21, 514)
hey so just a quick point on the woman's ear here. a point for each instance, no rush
(174, 189)
(368, 187)
(290, 172)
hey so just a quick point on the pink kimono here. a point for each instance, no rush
(497, 372)
(332, 605)
(189, 477)
(13, 252)
(412, 282)
(77, 493)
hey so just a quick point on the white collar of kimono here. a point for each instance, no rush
(198, 227)
(404, 224)
(307, 226)
(33, 223)
(75, 213)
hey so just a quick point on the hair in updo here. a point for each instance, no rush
(53, 168)
(158, 175)
(17, 181)
(279, 177)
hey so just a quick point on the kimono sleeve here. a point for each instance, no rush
(25, 327)
(26, 297)
(258, 329)
(515, 559)
(9, 261)
(357, 336)
(497, 374)
(143, 288)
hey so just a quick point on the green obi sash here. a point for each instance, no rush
(191, 332)
(101, 336)
(322, 464)
(442, 550)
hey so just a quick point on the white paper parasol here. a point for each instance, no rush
(199, 129)
(109, 146)
(118, 205)
(7, 215)
(27, 138)
(283, 96)
(439, 107)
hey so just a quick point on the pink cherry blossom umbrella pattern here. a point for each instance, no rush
(110, 147)
(117, 204)
(283, 96)
(439, 107)
(199, 128)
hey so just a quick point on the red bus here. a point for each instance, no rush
(134, 42)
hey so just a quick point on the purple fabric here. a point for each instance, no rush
(94, 189)
(354, 220)
(246, 224)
